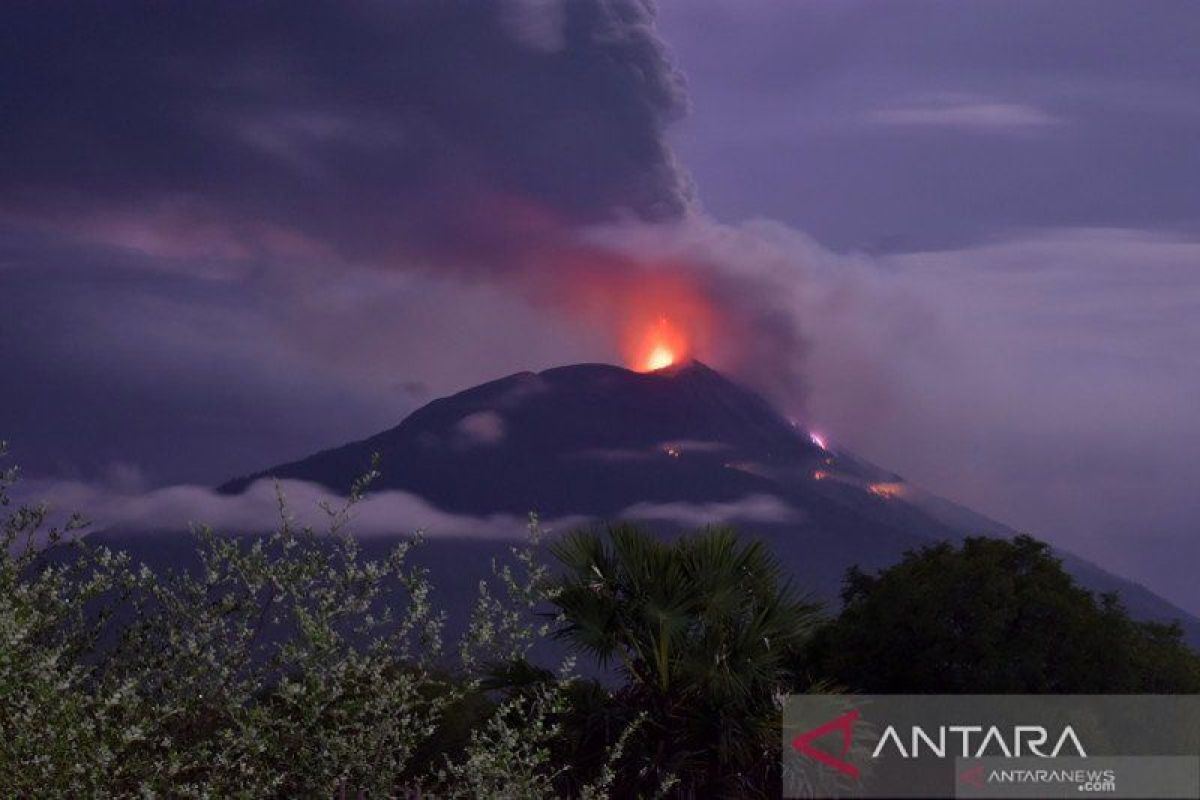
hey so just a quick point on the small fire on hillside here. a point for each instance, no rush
(889, 490)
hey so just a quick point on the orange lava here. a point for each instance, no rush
(658, 346)
(656, 314)
(662, 320)
(660, 357)
(887, 490)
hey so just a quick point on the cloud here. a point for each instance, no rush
(481, 429)
(449, 131)
(755, 508)
(783, 96)
(1046, 378)
(539, 24)
(977, 115)
(176, 508)
(385, 513)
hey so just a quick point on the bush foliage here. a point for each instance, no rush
(285, 666)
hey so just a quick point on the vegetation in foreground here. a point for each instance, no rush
(290, 665)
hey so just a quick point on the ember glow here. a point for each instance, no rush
(660, 357)
(659, 318)
(662, 344)
(887, 490)
(818, 440)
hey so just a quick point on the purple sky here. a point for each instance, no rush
(961, 239)
(1027, 174)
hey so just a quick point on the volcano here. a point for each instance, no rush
(676, 448)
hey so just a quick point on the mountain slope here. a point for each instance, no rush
(581, 439)
(673, 447)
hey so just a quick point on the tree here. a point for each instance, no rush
(702, 630)
(994, 615)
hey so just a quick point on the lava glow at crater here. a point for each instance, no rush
(661, 319)
(659, 346)
(660, 358)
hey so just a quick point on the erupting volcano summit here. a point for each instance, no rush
(662, 345)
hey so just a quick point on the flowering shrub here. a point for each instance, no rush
(286, 665)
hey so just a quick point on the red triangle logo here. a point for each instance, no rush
(845, 723)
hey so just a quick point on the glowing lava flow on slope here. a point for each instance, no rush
(887, 490)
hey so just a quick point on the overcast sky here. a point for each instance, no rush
(1030, 171)
(962, 239)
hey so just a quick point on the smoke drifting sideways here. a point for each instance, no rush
(375, 132)
(515, 144)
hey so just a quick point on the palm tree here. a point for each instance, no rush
(703, 630)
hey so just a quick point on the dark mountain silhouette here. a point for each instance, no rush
(669, 446)
(587, 438)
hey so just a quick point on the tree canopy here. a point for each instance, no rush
(994, 615)
(703, 630)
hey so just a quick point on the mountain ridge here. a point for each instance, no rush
(597, 440)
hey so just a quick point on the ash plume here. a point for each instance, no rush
(295, 195)
(446, 130)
